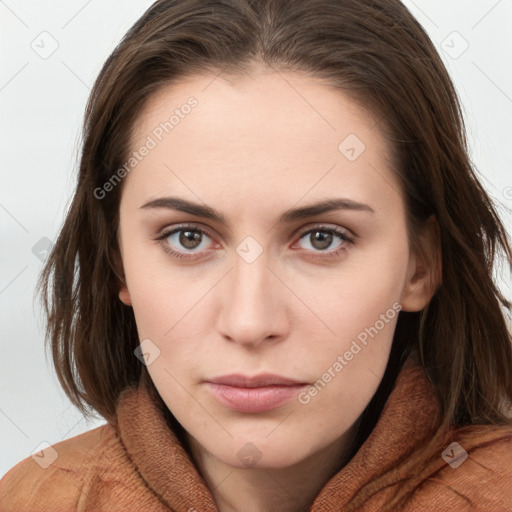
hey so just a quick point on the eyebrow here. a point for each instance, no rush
(293, 214)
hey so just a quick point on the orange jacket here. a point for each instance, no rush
(138, 464)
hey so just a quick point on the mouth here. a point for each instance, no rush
(255, 394)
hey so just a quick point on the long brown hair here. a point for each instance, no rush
(375, 52)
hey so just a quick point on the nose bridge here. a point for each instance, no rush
(251, 309)
(250, 283)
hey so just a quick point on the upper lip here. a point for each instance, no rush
(256, 381)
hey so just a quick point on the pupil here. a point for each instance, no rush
(188, 239)
(322, 237)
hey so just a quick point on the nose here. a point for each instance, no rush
(253, 304)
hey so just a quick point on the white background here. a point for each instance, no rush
(42, 103)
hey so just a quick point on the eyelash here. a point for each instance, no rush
(345, 238)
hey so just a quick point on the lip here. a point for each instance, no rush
(254, 394)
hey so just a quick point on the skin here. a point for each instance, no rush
(252, 148)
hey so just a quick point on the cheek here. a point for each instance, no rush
(157, 292)
(347, 367)
(362, 288)
(167, 302)
(360, 304)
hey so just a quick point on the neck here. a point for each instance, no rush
(289, 489)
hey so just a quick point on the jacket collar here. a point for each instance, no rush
(410, 416)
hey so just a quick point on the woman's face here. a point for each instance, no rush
(268, 319)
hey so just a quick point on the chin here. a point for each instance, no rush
(260, 453)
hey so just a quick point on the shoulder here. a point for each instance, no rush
(473, 473)
(55, 477)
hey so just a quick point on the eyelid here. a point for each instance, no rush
(326, 227)
(167, 232)
(343, 233)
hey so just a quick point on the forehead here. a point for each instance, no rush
(259, 131)
(261, 106)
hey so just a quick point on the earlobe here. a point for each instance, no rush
(124, 295)
(418, 291)
(425, 269)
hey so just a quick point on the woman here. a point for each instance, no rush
(275, 278)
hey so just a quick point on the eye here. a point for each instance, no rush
(184, 241)
(320, 239)
(191, 241)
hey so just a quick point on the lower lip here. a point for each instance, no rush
(254, 399)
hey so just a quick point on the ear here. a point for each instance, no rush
(424, 273)
(124, 295)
